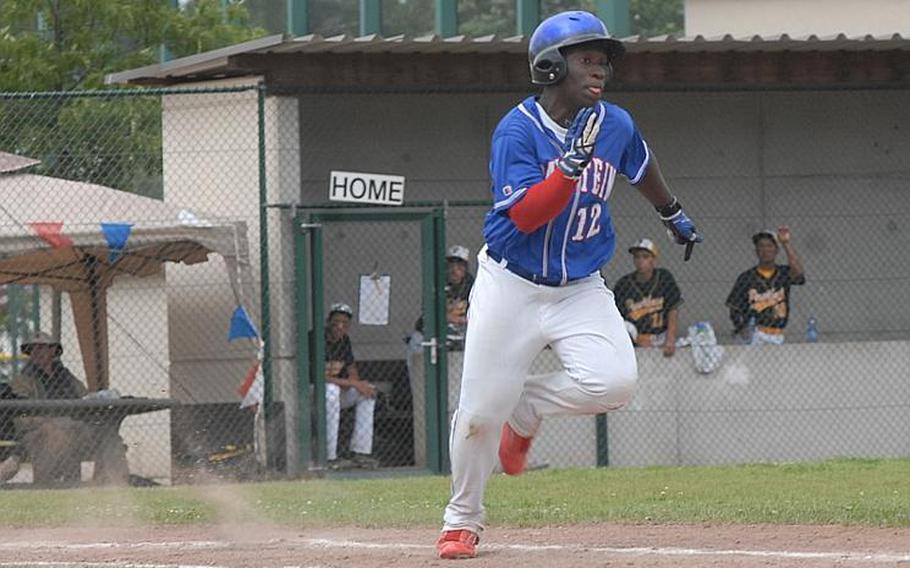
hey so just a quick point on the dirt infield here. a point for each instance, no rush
(258, 545)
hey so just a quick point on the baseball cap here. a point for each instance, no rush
(341, 308)
(41, 338)
(459, 252)
(644, 244)
(765, 234)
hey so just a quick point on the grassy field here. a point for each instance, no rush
(844, 492)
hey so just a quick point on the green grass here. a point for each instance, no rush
(843, 492)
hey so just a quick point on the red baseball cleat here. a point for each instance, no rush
(453, 545)
(513, 451)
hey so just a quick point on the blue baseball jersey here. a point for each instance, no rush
(581, 239)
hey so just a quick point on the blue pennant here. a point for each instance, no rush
(241, 326)
(116, 235)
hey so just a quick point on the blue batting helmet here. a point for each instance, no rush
(548, 64)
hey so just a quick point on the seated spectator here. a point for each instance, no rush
(55, 444)
(9, 467)
(762, 293)
(649, 300)
(343, 389)
(459, 282)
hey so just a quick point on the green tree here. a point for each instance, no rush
(656, 17)
(63, 45)
(72, 44)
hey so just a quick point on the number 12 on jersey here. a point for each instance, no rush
(588, 222)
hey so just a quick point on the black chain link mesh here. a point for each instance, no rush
(166, 162)
(119, 293)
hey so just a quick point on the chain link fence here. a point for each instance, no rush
(742, 163)
(133, 231)
(120, 286)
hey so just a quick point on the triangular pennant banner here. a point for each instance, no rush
(116, 235)
(51, 232)
(253, 388)
(241, 326)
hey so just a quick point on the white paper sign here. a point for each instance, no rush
(366, 188)
(375, 291)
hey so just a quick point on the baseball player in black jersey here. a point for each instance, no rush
(345, 388)
(763, 291)
(649, 300)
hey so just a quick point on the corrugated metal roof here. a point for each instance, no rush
(216, 63)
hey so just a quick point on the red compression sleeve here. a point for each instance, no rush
(543, 202)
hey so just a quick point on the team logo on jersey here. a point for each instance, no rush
(774, 298)
(507, 190)
(597, 179)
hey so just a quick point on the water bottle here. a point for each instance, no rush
(750, 330)
(812, 330)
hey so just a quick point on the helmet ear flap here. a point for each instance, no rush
(548, 68)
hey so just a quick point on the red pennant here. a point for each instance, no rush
(51, 232)
(248, 379)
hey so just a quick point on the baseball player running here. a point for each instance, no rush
(554, 160)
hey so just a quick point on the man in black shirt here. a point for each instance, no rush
(762, 293)
(344, 388)
(649, 300)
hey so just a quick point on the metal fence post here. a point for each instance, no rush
(264, 292)
(298, 17)
(615, 13)
(370, 17)
(446, 22)
(603, 444)
(527, 15)
(302, 259)
(439, 248)
(317, 345)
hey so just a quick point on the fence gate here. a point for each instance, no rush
(353, 256)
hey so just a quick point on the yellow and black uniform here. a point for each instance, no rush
(339, 356)
(764, 294)
(646, 304)
(457, 296)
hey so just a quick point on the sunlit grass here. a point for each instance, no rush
(844, 492)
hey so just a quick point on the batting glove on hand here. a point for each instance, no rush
(680, 228)
(580, 139)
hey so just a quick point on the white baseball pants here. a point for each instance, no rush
(337, 398)
(510, 321)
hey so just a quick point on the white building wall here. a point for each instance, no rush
(796, 17)
(211, 163)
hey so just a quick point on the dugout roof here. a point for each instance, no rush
(499, 63)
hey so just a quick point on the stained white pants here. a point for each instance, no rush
(337, 398)
(509, 322)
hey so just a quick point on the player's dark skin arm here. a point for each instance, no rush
(793, 259)
(653, 186)
(672, 326)
(353, 380)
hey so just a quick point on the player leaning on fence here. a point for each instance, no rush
(649, 300)
(554, 160)
(762, 293)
